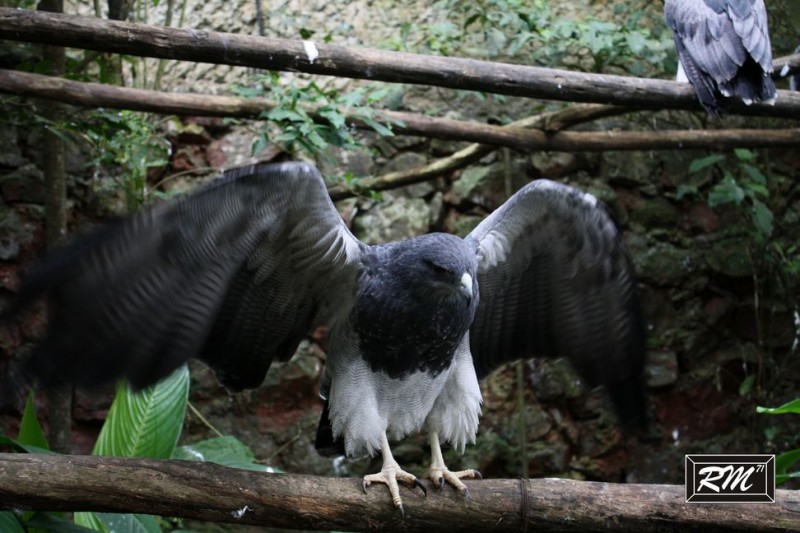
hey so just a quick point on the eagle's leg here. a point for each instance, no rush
(441, 475)
(390, 474)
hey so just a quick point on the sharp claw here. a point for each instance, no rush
(402, 511)
(442, 483)
(420, 485)
(465, 493)
(364, 484)
(478, 474)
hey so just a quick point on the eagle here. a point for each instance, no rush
(723, 49)
(239, 272)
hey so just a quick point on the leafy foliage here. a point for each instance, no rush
(742, 185)
(308, 117)
(538, 32)
(129, 142)
(785, 461)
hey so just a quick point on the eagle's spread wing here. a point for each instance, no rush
(555, 281)
(723, 46)
(235, 274)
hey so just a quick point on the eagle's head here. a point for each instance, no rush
(439, 266)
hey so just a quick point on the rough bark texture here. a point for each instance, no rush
(211, 492)
(55, 184)
(518, 138)
(363, 63)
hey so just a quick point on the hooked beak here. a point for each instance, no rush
(466, 285)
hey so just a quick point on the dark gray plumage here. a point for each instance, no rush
(238, 273)
(724, 49)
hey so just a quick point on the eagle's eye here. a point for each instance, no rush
(435, 267)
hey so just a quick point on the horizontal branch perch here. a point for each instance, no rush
(210, 492)
(361, 63)
(521, 139)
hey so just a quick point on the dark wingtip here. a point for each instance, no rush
(325, 443)
(630, 405)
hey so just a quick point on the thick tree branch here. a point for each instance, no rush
(362, 63)
(210, 492)
(516, 137)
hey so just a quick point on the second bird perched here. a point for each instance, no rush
(239, 272)
(724, 49)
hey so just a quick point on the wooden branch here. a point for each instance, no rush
(211, 492)
(362, 63)
(552, 121)
(516, 137)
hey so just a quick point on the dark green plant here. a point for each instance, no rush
(126, 144)
(785, 461)
(740, 184)
(310, 118)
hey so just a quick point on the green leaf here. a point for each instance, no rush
(743, 154)
(226, 451)
(146, 423)
(783, 478)
(30, 431)
(755, 174)
(762, 218)
(282, 114)
(9, 523)
(23, 448)
(747, 385)
(791, 407)
(130, 523)
(379, 128)
(786, 460)
(758, 189)
(333, 116)
(53, 524)
(726, 192)
(699, 164)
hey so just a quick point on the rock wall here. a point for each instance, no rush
(716, 321)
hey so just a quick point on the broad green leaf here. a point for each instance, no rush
(22, 448)
(699, 164)
(146, 423)
(743, 154)
(30, 431)
(791, 407)
(226, 451)
(9, 523)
